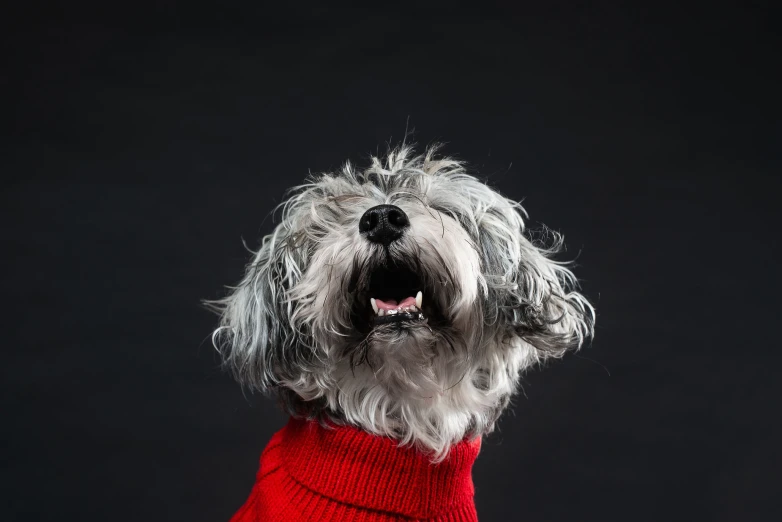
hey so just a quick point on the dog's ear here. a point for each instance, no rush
(531, 297)
(256, 338)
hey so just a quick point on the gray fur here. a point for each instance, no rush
(288, 327)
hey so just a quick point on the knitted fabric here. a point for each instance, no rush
(312, 473)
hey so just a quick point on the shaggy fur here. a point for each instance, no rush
(495, 304)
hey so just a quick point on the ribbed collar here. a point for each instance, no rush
(357, 468)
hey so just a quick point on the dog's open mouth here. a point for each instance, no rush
(395, 295)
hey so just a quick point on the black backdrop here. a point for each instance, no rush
(144, 144)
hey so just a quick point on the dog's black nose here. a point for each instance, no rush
(383, 224)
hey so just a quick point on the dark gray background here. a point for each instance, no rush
(144, 144)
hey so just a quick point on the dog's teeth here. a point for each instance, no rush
(392, 312)
(381, 312)
(419, 299)
(413, 309)
(374, 304)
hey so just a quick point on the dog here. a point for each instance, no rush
(392, 312)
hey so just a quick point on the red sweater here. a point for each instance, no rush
(311, 473)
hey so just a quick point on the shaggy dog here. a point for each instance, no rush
(398, 303)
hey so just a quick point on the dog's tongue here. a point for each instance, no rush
(391, 304)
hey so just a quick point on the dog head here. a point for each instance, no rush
(403, 298)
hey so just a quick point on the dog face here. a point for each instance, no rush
(404, 299)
